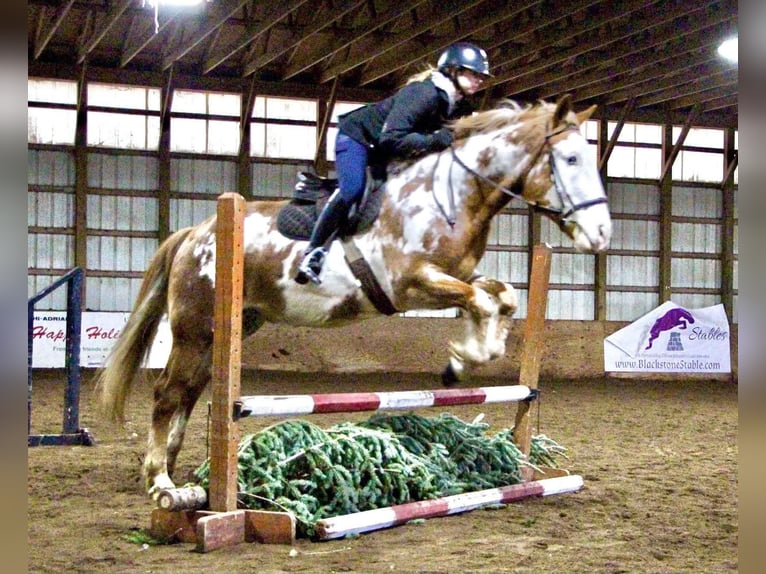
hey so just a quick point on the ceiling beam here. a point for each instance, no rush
(705, 96)
(372, 47)
(324, 18)
(626, 62)
(337, 42)
(721, 103)
(273, 13)
(142, 31)
(216, 15)
(685, 85)
(633, 33)
(50, 21)
(398, 59)
(102, 25)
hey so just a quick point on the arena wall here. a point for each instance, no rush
(573, 349)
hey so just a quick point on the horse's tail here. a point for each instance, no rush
(115, 380)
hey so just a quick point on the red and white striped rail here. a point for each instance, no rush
(366, 521)
(280, 405)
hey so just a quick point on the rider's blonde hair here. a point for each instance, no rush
(421, 76)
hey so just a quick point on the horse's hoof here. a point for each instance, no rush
(449, 377)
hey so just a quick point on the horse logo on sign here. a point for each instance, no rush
(677, 317)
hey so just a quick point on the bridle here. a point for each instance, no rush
(562, 214)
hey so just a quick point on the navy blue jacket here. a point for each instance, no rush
(408, 124)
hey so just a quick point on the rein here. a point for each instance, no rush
(518, 184)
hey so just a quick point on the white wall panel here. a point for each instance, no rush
(697, 202)
(276, 180)
(50, 209)
(570, 305)
(55, 300)
(696, 237)
(189, 212)
(508, 266)
(572, 268)
(635, 235)
(203, 176)
(120, 253)
(111, 293)
(629, 306)
(698, 273)
(50, 251)
(129, 172)
(695, 300)
(628, 270)
(123, 213)
(633, 198)
(54, 168)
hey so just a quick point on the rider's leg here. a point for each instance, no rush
(351, 164)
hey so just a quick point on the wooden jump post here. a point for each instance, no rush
(224, 525)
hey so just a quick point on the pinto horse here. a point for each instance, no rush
(423, 248)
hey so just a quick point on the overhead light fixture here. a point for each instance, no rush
(155, 3)
(729, 49)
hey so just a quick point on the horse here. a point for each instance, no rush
(424, 246)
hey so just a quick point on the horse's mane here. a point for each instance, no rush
(506, 113)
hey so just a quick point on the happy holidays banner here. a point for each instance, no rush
(99, 331)
(672, 339)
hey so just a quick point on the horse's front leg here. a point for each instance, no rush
(488, 305)
(487, 322)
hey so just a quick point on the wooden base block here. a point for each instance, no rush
(220, 529)
(269, 527)
(549, 472)
(175, 525)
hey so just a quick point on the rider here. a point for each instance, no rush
(406, 125)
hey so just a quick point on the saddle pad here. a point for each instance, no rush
(296, 219)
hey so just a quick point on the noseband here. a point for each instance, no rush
(562, 214)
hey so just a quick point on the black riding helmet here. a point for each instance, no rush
(464, 55)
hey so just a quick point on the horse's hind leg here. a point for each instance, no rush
(176, 391)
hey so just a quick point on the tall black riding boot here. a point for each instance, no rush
(331, 218)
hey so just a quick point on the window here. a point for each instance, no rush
(294, 133)
(216, 134)
(121, 128)
(55, 120)
(706, 164)
(638, 153)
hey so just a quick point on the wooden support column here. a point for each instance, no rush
(227, 351)
(325, 112)
(224, 525)
(81, 175)
(163, 169)
(600, 259)
(537, 302)
(244, 166)
(728, 225)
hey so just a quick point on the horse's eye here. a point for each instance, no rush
(572, 160)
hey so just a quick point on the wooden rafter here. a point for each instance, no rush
(103, 25)
(50, 21)
(217, 15)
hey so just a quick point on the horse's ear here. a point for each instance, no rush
(585, 115)
(563, 107)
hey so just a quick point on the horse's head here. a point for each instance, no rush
(575, 196)
(539, 155)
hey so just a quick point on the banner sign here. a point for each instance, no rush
(99, 331)
(672, 339)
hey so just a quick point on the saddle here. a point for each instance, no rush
(296, 219)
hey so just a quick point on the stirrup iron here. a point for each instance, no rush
(311, 266)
